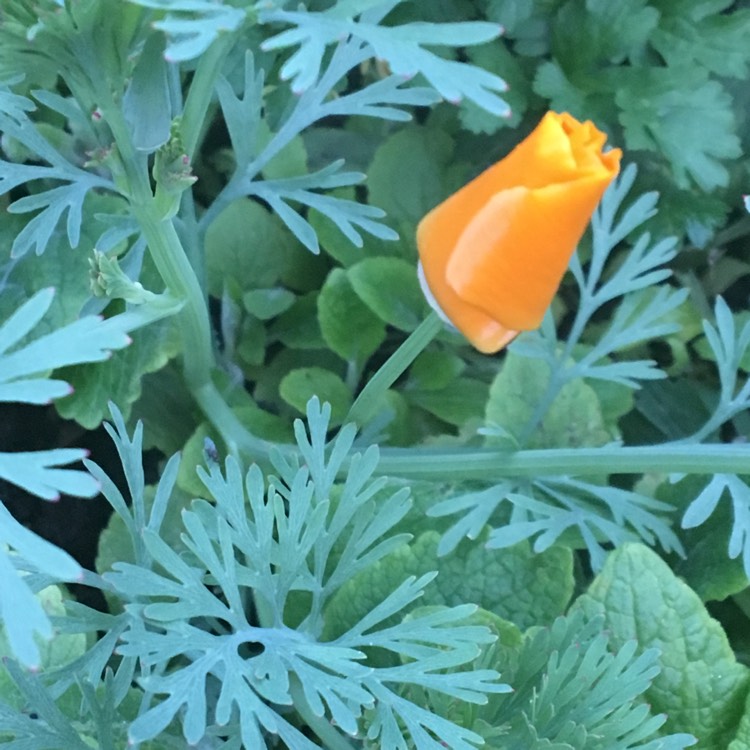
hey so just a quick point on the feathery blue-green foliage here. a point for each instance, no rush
(574, 690)
(247, 586)
(256, 548)
(22, 138)
(24, 365)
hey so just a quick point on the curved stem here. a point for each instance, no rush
(165, 248)
(177, 273)
(238, 439)
(198, 100)
(372, 394)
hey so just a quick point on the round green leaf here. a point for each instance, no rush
(406, 177)
(247, 246)
(265, 304)
(298, 328)
(433, 371)
(573, 419)
(348, 326)
(389, 287)
(299, 386)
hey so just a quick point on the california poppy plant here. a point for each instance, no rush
(493, 254)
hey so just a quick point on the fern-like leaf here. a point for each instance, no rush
(267, 543)
(402, 47)
(191, 26)
(572, 692)
(52, 203)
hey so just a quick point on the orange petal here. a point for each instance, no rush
(495, 251)
(485, 334)
(512, 255)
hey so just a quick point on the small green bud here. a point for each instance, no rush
(109, 280)
(172, 172)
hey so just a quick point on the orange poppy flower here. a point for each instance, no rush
(493, 254)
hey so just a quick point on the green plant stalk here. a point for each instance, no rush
(177, 273)
(199, 97)
(175, 269)
(371, 397)
(492, 464)
(195, 328)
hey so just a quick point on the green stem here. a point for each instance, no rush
(169, 255)
(166, 250)
(492, 464)
(735, 231)
(195, 329)
(177, 273)
(198, 100)
(238, 439)
(371, 397)
(190, 237)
